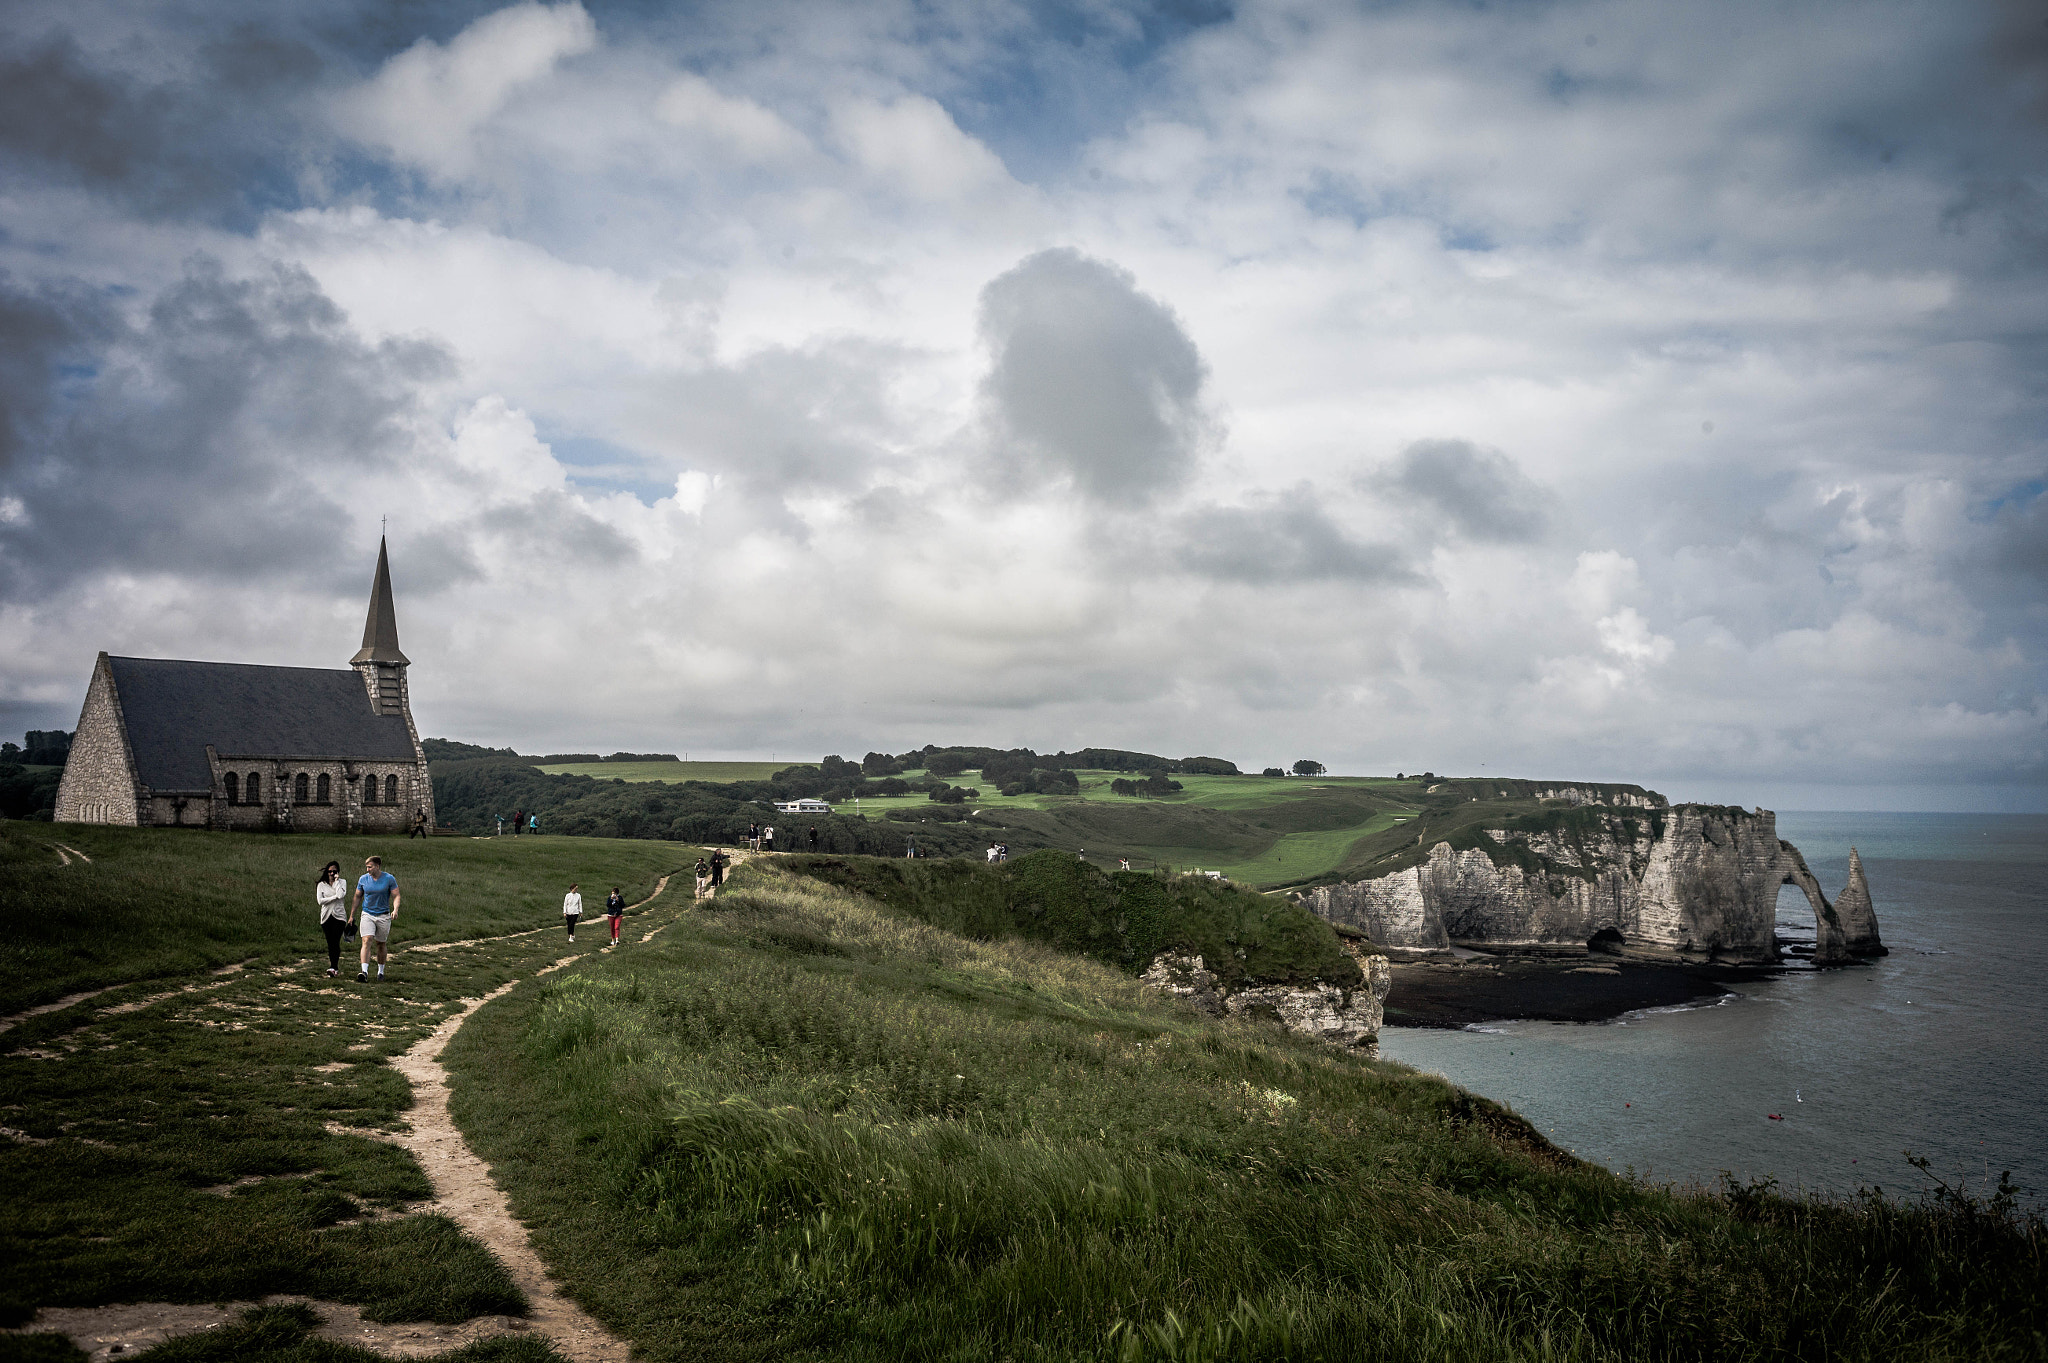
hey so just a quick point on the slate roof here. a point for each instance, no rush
(175, 708)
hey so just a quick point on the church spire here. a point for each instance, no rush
(380, 629)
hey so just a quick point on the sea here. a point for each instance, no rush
(1825, 1080)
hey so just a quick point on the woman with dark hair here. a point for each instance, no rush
(331, 894)
(614, 909)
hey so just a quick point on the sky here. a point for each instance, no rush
(1569, 390)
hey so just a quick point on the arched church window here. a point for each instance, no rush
(326, 788)
(252, 790)
(233, 782)
(391, 790)
(300, 789)
(369, 790)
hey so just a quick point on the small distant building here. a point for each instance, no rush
(805, 806)
(168, 743)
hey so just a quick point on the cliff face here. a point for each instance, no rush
(1692, 882)
(1343, 1017)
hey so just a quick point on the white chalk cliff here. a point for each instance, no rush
(1688, 882)
(1328, 1012)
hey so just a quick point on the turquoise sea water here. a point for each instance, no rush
(1940, 1048)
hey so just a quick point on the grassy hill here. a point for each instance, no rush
(854, 1109)
(1267, 832)
(807, 1123)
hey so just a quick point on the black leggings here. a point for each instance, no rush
(570, 920)
(335, 928)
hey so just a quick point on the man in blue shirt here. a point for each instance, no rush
(377, 897)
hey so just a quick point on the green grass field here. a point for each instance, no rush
(1259, 831)
(803, 1124)
(670, 771)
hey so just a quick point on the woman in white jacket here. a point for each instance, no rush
(572, 909)
(331, 894)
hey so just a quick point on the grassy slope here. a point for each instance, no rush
(1120, 919)
(1253, 829)
(123, 1111)
(159, 902)
(802, 1126)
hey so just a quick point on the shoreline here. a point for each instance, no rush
(1450, 995)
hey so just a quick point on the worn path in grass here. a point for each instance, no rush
(71, 1040)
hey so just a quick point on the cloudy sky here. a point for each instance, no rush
(1624, 391)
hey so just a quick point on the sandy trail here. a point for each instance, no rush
(464, 1192)
(14, 1020)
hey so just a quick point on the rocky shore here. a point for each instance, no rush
(1453, 993)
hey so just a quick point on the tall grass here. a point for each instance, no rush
(805, 1126)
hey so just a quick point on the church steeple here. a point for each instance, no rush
(380, 629)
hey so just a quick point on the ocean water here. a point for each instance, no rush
(1940, 1048)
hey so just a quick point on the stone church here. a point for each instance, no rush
(163, 742)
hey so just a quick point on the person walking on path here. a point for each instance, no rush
(812, 834)
(572, 909)
(331, 894)
(615, 909)
(533, 823)
(754, 836)
(703, 877)
(377, 897)
(518, 822)
(501, 825)
(718, 865)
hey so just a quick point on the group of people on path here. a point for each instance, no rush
(998, 851)
(572, 909)
(522, 822)
(367, 913)
(711, 872)
(761, 837)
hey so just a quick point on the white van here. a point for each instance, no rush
(803, 806)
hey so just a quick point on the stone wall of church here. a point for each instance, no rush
(99, 779)
(278, 806)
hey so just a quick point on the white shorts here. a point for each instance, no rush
(375, 927)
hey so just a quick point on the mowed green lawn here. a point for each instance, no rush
(670, 771)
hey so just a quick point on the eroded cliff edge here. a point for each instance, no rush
(1686, 882)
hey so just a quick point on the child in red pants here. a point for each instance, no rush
(614, 909)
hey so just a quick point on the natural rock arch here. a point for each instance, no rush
(1844, 930)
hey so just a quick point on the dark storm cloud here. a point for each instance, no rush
(1287, 538)
(210, 144)
(1091, 379)
(1479, 491)
(205, 438)
(47, 338)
